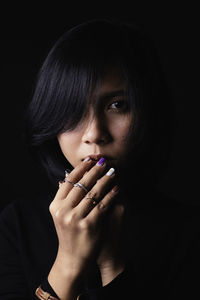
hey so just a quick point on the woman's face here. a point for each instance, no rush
(104, 132)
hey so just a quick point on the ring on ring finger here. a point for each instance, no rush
(93, 200)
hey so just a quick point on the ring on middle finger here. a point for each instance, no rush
(80, 185)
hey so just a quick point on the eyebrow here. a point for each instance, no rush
(111, 94)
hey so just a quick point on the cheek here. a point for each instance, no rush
(67, 141)
(121, 129)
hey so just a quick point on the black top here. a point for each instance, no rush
(165, 261)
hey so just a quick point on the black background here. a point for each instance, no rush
(27, 34)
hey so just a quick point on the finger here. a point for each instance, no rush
(95, 195)
(97, 213)
(75, 175)
(86, 183)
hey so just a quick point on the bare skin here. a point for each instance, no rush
(80, 225)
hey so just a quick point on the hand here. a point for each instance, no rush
(78, 221)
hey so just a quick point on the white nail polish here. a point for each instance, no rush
(110, 172)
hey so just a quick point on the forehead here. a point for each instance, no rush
(111, 84)
(113, 80)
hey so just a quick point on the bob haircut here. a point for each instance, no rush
(75, 66)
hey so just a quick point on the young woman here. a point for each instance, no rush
(100, 123)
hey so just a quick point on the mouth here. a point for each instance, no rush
(96, 157)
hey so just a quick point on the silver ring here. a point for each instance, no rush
(80, 185)
(69, 181)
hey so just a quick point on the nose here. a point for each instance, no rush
(96, 132)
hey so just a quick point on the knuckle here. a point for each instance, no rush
(85, 225)
(92, 194)
(104, 180)
(63, 219)
(101, 180)
(110, 196)
(82, 167)
(53, 208)
(96, 171)
(69, 179)
(92, 176)
(101, 206)
(83, 182)
(69, 219)
(120, 210)
(58, 215)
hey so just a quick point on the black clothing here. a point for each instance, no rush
(165, 245)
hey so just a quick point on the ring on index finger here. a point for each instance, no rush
(69, 181)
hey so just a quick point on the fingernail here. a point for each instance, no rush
(110, 172)
(60, 182)
(67, 172)
(87, 159)
(101, 161)
(115, 189)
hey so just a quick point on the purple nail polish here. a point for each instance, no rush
(101, 161)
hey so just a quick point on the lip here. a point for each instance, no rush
(96, 157)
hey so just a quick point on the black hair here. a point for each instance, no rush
(74, 66)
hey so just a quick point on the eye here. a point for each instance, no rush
(117, 105)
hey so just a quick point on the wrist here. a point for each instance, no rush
(69, 267)
(64, 281)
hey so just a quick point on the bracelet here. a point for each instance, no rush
(43, 295)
